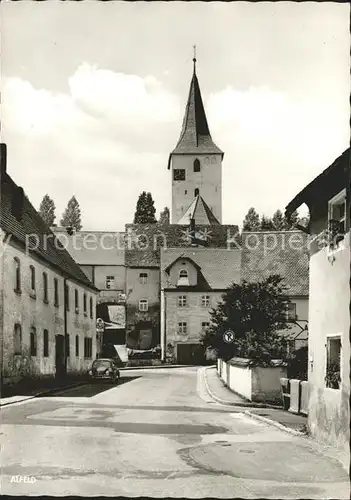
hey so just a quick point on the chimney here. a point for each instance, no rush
(17, 202)
(3, 158)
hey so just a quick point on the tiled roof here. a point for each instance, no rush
(219, 267)
(277, 252)
(94, 247)
(43, 241)
(195, 136)
(152, 237)
(200, 211)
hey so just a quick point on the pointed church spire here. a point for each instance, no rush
(195, 136)
(194, 59)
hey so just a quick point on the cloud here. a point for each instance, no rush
(94, 140)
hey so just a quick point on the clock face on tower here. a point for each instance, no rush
(179, 174)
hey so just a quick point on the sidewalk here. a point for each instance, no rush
(16, 395)
(273, 415)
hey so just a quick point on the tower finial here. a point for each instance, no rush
(194, 58)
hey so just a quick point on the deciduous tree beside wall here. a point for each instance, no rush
(47, 210)
(71, 217)
(251, 221)
(255, 312)
(145, 210)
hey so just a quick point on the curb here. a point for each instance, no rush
(153, 367)
(245, 404)
(273, 423)
(43, 393)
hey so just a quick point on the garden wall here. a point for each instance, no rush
(254, 383)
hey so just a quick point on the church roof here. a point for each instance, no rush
(200, 211)
(195, 136)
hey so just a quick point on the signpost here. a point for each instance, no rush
(100, 328)
(228, 336)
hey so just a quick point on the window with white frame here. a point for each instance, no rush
(205, 301)
(333, 366)
(143, 305)
(182, 301)
(204, 325)
(337, 219)
(182, 328)
(183, 277)
(110, 282)
(143, 278)
(291, 311)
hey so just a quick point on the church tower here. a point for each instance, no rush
(196, 166)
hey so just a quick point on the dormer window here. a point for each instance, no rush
(196, 165)
(183, 279)
(337, 219)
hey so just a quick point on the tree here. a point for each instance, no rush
(255, 312)
(291, 224)
(266, 224)
(145, 210)
(251, 221)
(164, 216)
(278, 220)
(47, 210)
(71, 217)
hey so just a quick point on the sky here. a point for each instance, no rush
(94, 93)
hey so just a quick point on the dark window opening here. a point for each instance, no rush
(32, 278)
(46, 344)
(56, 301)
(45, 286)
(88, 347)
(17, 274)
(33, 342)
(18, 339)
(196, 165)
(77, 345)
(196, 192)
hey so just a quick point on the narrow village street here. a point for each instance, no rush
(158, 433)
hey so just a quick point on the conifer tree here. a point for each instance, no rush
(251, 221)
(145, 210)
(47, 210)
(266, 224)
(71, 217)
(278, 220)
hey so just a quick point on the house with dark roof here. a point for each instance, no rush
(47, 320)
(328, 200)
(144, 247)
(192, 283)
(285, 253)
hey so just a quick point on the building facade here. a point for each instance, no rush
(101, 256)
(47, 303)
(192, 283)
(328, 200)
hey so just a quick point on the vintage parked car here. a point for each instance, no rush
(104, 369)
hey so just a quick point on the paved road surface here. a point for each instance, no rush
(157, 434)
